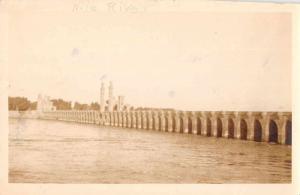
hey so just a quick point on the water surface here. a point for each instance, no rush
(42, 151)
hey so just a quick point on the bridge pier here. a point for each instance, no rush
(169, 121)
(184, 123)
(205, 123)
(193, 120)
(124, 119)
(128, 120)
(163, 122)
(139, 120)
(216, 124)
(134, 120)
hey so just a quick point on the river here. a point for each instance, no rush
(42, 151)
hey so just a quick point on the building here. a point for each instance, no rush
(111, 103)
(44, 104)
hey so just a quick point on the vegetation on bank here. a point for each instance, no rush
(23, 104)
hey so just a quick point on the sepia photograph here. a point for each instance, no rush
(138, 94)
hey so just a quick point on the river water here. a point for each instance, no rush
(43, 151)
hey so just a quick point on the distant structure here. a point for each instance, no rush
(112, 103)
(44, 104)
(120, 102)
(102, 98)
(110, 97)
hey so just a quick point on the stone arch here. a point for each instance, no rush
(166, 124)
(288, 132)
(219, 127)
(153, 123)
(113, 120)
(126, 121)
(190, 125)
(147, 123)
(120, 120)
(243, 129)
(132, 121)
(174, 124)
(142, 121)
(181, 125)
(208, 127)
(198, 125)
(257, 131)
(129, 121)
(117, 119)
(230, 128)
(159, 124)
(273, 131)
(138, 120)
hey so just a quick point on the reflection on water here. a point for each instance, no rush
(61, 152)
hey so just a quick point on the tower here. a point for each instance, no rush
(120, 102)
(110, 97)
(102, 100)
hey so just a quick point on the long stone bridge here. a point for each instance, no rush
(255, 126)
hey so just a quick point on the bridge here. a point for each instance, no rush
(253, 126)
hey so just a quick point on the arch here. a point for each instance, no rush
(147, 123)
(132, 121)
(153, 123)
(288, 132)
(138, 121)
(126, 121)
(208, 127)
(190, 125)
(198, 125)
(181, 125)
(129, 121)
(243, 129)
(120, 120)
(167, 124)
(142, 121)
(159, 124)
(174, 124)
(273, 132)
(219, 127)
(230, 128)
(117, 120)
(257, 131)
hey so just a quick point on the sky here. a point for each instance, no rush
(181, 60)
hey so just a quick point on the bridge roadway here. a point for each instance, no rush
(255, 126)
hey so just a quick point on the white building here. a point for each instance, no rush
(44, 104)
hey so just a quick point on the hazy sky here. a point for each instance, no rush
(190, 61)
